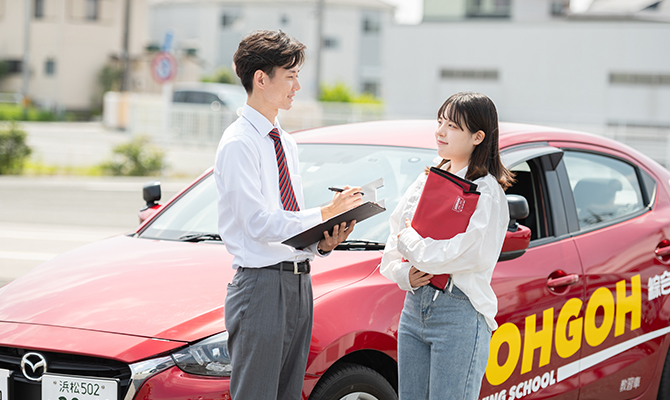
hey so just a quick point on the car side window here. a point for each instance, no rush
(528, 183)
(604, 188)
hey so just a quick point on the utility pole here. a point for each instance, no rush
(125, 55)
(319, 44)
(25, 67)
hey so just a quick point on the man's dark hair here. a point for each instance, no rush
(266, 50)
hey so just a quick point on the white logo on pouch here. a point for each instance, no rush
(458, 204)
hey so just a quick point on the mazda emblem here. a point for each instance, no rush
(31, 364)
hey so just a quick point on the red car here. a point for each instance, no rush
(583, 307)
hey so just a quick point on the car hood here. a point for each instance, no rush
(148, 288)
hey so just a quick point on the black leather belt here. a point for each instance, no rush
(296, 267)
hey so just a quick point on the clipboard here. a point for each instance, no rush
(370, 207)
(444, 210)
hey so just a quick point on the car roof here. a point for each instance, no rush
(420, 133)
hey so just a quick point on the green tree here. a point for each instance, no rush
(110, 77)
(341, 93)
(4, 69)
(13, 149)
(221, 75)
(135, 158)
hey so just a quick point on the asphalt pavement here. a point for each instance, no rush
(44, 216)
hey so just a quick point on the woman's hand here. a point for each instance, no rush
(418, 278)
(340, 233)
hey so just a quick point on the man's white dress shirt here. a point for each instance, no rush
(252, 220)
(469, 256)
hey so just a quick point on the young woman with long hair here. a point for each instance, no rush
(444, 336)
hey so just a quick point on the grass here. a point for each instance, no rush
(38, 168)
(14, 112)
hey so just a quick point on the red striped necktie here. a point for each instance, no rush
(285, 187)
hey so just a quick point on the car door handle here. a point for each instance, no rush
(563, 281)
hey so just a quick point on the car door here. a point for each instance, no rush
(540, 293)
(618, 233)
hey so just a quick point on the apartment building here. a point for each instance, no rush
(352, 34)
(70, 41)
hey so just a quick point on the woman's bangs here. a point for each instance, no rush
(451, 111)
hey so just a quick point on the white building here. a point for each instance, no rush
(539, 63)
(70, 42)
(353, 33)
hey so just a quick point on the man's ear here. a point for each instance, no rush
(479, 137)
(259, 79)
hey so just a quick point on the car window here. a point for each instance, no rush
(321, 166)
(604, 188)
(528, 183)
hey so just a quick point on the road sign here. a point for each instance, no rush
(163, 67)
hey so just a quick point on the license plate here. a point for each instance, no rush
(65, 387)
(4, 384)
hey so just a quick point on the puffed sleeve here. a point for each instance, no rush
(474, 250)
(392, 265)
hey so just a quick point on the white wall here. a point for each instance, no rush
(200, 24)
(79, 47)
(550, 72)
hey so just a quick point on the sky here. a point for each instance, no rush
(407, 11)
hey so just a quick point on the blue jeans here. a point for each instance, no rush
(443, 346)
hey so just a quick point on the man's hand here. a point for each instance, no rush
(340, 234)
(418, 278)
(343, 201)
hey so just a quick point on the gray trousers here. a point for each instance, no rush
(269, 321)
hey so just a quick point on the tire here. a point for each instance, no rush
(664, 386)
(353, 382)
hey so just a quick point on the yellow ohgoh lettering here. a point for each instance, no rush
(569, 330)
(594, 335)
(537, 339)
(506, 333)
(565, 328)
(628, 304)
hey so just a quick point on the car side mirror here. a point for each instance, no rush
(151, 192)
(517, 237)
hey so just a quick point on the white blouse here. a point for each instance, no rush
(469, 256)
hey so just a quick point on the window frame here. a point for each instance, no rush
(547, 161)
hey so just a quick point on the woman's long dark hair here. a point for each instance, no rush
(476, 112)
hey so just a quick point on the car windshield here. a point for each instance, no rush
(321, 166)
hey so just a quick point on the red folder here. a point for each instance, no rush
(444, 210)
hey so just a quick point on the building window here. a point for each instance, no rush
(228, 19)
(39, 9)
(92, 10)
(488, 8)
(50, 67)
(371, 25)
(470, 74)
(639, 79)
(331, 43)
(285, 20)
(14, 66)
(371, 88)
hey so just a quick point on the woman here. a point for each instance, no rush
(443, 336)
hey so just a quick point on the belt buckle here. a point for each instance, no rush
(295, 268)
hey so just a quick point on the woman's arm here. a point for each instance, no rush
(476, 249)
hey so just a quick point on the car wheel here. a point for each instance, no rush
(664, 387)
(353, 382)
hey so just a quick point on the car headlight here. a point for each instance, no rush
(208, 357)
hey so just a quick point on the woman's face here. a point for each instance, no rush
(454, 143)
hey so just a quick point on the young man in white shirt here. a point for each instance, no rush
(268, 309)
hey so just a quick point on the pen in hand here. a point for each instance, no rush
(340, 190)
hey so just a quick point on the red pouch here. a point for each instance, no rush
(444, 210)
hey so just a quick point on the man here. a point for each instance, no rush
(268, 307)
